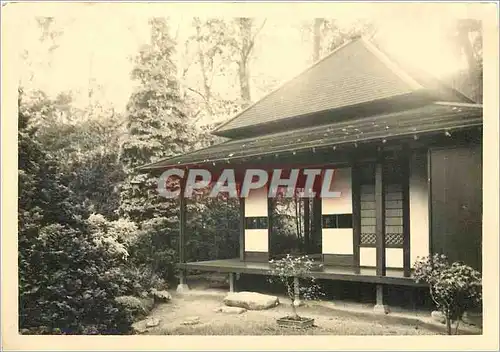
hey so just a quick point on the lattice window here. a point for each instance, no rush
(394, 240)
(368, 239)
(393, 207)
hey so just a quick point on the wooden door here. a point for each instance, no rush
(456, 204)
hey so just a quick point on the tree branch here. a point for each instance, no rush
(195, 91)
(252, 41)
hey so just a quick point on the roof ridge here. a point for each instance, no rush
(412, 68)
(391, 64)
(288, 81)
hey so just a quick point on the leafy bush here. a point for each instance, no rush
(68, 266)
(285, 270)
(139, 281)
(67, 281)
(454, 288)
(153, 257)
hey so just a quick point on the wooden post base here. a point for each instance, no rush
(231, 282)
(182, 288)
(381, 309)
(380, 306)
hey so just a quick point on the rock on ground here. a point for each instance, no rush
(438, 316)
(161, 296)
(139, 327)
(191, 321)
(230, 310)
(151, 323)
(251, 300)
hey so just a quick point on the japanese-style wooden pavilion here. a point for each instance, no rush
(407, 155)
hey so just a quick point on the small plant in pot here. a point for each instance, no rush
(454, 287)
(288, 271)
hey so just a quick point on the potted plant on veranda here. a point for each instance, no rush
(454, 287)
(287, 271)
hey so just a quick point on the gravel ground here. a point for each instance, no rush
(181, 309)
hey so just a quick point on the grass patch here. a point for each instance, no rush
(271, 328)
(248, 329)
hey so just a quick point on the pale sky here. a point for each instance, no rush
(99, 39)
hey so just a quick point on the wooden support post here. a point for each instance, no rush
(380, 217)
(182, 226)
(270, 209)
(380, 306)
(242, 229)
(356, 216)
(307, 224)
(317, 228)
(182, 287)
(405, 184)
(231, 282)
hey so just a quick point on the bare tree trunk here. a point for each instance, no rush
(457, 324)
(245, 25)
(293, 296)
(294, 309)
(465, 27)
(201, 58)
(244, 82)
(448, 323)
(247, 44)
(318, 22)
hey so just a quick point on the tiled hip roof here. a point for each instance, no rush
(354, 74)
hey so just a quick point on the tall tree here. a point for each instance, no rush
(157, 127)
(221, 45)
(244, 46)
(468, 39)
(318, 22)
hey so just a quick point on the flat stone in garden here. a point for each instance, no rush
(230, 310)
(161, 296)
(139, 327)
(151, 323)
(191, 321)
(251, 300)
(438, 316)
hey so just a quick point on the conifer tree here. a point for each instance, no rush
(157, 128)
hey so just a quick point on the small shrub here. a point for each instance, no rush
(284, 271)
(140, 280)
(134, 307)
(454, 288)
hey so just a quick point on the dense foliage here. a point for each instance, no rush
(157, 127)
(67, 276)
(454, 287)
(93, 232)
